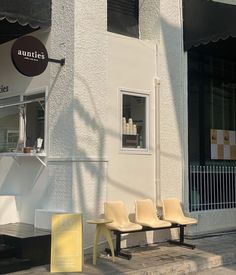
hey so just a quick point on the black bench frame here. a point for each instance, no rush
(128, 256)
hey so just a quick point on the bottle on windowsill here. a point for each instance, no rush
(20, 146)
(140, 142)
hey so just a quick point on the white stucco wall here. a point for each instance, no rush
(10, 209)
(61, 88)
(90, 111)
(85, 165)
(53, 188)
(173, 100)
(131, 67)
(149, 20)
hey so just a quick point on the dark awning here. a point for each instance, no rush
(206, 21)
(20, 17)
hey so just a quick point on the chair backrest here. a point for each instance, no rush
(172, 209)
(145, 210)
(116, 211)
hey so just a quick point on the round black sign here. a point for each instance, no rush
(29, 56)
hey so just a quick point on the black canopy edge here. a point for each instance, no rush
(206, 21)
(35, 13)
(213, 39)
(23, 22)
(21, 17)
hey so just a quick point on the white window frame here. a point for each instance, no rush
(146, 95)
(23, 102)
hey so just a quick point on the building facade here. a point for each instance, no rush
(117, 120)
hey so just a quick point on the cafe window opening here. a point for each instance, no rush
(134, 121)
(22, 123)
(123, 17)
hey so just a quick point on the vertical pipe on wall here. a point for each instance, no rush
(22, 129)
(157, 142)
(157, 134)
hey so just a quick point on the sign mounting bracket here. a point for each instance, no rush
(59, 61)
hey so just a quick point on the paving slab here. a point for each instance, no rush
(160, 259)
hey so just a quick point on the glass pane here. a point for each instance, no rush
(123, 17)
(9, 128)
(212, 105)
(134, 122)
(217, 105)
(34, 122)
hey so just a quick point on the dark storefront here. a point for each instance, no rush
(209, 39)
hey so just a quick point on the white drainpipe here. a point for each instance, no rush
(157, 134)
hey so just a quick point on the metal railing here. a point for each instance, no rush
(212, 187)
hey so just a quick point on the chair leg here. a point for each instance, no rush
(107, 235)
(181, 239)
(96, 237)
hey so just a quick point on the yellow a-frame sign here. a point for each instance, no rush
(67, 243)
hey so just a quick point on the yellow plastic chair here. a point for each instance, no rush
(116, 211)
(172, 212)
(145, 215)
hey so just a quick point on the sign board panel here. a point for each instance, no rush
(223, 144)
(67, 243)
(29, 56)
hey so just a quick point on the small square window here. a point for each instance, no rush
(123, 17)
(134, 121)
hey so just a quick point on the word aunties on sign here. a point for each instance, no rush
(31, 55)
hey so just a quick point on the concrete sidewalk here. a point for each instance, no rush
(163, 259)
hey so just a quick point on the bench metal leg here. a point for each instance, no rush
(118, 252)
(181, 239)
(118, 241)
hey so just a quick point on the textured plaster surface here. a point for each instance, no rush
(76, 176)
(90, 79)
(90, 111)
(149, 19)
(61, 88)
(171, 99)
(58, 187)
